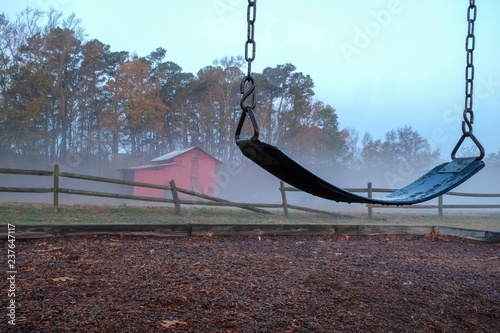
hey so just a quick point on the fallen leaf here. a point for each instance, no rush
(171, 323)
(62, 279)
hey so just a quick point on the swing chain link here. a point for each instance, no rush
(470, 43)
(468, 114)
(247, 85)
(250, 43)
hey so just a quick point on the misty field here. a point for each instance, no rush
(95, 214)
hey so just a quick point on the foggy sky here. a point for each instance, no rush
(382, 64)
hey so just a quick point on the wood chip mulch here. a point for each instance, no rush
(252, 284)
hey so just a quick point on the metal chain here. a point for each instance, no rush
(468, 115)
(250, 43)
(470, 43)
(247, 86)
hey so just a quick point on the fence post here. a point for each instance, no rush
(370, 195)
(56, 188)
(440, 205)
(175, 197)
(283, 198)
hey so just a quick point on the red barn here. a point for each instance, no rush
(192, 169)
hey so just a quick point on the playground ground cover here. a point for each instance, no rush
(328, 283)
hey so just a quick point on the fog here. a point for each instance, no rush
(379, 66)
(256, 185)
(239, 181)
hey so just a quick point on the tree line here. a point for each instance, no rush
(62, 94)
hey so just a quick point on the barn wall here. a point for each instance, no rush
(152, 176)
(194, 170)
(207, 176)
(196, 178)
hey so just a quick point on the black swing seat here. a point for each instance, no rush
(436, 182)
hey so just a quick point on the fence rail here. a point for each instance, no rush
(207, 200)
(370, 190)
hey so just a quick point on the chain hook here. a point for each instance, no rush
(246, 94)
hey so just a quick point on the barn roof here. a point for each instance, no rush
(168, 158)
(150, 166)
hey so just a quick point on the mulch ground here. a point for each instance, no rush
(251, 284)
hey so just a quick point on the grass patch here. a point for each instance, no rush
(95, 214)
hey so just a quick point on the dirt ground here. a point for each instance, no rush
(256, 284)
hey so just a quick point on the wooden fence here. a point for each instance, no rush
(203, 199)
(369, 190)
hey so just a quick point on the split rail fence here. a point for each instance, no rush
(370, 190)
(203, 199)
